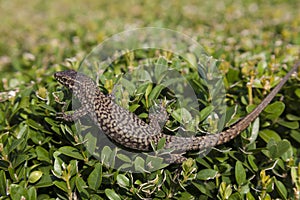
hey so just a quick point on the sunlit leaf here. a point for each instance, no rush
(35, 176)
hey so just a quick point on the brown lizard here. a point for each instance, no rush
(126, 129)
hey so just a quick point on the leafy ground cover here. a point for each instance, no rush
(43, 158)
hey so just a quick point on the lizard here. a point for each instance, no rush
(128, 130)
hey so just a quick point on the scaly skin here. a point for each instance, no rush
(126, 129)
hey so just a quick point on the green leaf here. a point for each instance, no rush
(68, 130)
(200, 187)
(161, 66)
(124, 158)
(45, 181)
(32, 194)
(292, 117)
(57, 170)
(251, 160)
(108, 156)
(143, 115)
(4, 164)
(161, 143)
(268, 134)
(155, 162)
(290, 125)
(205, 112)
(182, 115)
(21, 158)
(272, 151)
(274, 110)
(12, 172)
(71, 152)
(3, 183)
(95, 197)
(133, 107)
(149, 89)
(186, 195)
(91, 143)
(281, 189)
(206, 174)
(244, 189)
(160, 194)
(16, 143)
(276, 107)
(277, 149)
(125, 166)
(295, 135)
(95, 177)
(139, 164)
(81, 185)
(235, 196)
(61, 185)
(35, 176)
(297, 92)
(155, 92)
(17, 192)
(42, 154)
(295, 174)
(249, 196)
(130, 87)
(51, 121)
(192, 59)
(111, 194)
(143, 87)
(73, 167)
(225, 190)
(47, 107)
(203, 162)
(23, 130)
(288, 155)
(240, 173)
(105, 155)
(283, 147)
(254, 131)
(123, 181)
(35, 125)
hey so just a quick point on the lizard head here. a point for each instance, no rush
(73, 80)
(66, 78)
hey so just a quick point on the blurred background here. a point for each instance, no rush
(47, 32)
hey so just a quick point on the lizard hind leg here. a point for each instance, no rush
(158, 116)
(175, 159)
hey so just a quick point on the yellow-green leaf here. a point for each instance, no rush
(35, 176)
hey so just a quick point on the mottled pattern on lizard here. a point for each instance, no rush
(126, 129)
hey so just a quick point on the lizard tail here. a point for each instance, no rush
(236, 129)
(181, 144)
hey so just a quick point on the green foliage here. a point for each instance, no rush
(42, 157)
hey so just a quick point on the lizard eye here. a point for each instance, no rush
(70, 82)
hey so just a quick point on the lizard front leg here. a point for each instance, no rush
(82, 111)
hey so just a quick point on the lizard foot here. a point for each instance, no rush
(64, 116)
